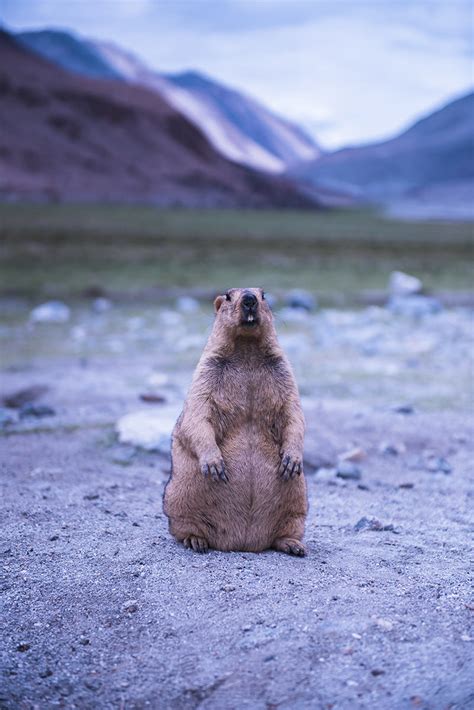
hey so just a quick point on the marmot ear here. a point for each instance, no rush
(218, 302)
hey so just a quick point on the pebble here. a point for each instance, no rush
(402, 284)
(36, 410)
(438, 464)
(130, 607)
(373, 524)
(355, 455)
(50, 312)
(404, 409)
(101, 305)
(384, 624)
(23, 647)
(7, 418)
(391, 449)
(187, 304)
(124, 455)
(348, 471)
(152, 397)
(300, 299)
(228, 588)
(414, 306)
(25, 396)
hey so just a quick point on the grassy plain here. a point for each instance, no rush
(66, 249)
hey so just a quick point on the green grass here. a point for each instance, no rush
(66, 249)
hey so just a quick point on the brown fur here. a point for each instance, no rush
(237, 480)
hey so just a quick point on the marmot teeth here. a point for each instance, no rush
(250, 318)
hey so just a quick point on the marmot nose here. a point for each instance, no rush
(249, 300)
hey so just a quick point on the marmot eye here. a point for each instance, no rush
(227, 297)
(263, 295)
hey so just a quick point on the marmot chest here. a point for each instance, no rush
(246, 394)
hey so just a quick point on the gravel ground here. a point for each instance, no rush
(101, 608)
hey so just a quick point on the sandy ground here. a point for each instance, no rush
(101, 608)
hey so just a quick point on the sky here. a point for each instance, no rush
(348, 71)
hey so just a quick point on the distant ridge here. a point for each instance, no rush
(432, 162)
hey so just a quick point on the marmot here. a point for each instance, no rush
(237, 478)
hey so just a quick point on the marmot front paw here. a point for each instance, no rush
(290, 466)
(215, 468)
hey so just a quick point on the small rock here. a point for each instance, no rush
(25, 396)
(124, 455)
(384, 624)
(152, 397)
(36, 410)
(53, 538)
(414, 306)
(149, 429)
(373, 524)
(404, 409)
(187, 304)
(50, 312)
(101, 305)
(391, 449)
(377, 671)
(438, 464)
(130, 607)
(348, 471)
(93, 684)
(23, 647)
(45, 673)
(91, 496)
(401, 284)
(84, 641)
(228, 588)
(326, 474)
(406, 485)
(300, 299)
(7, 418)
(355, 455)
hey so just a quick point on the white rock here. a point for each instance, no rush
(357, 454)
(51, 312)
(148, 429)
(101, 305)
(186, 304)
(301, 299)
(402, 284)
(414, 306)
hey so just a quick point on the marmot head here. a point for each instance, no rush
(244, 311)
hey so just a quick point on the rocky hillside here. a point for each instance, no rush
(68, 137)
(239, 127)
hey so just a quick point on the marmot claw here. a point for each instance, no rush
(290, 467)
(216, 471)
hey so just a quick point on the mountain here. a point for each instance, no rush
(69, 137)
(433, 159)
(70, 52)
(239, 127)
